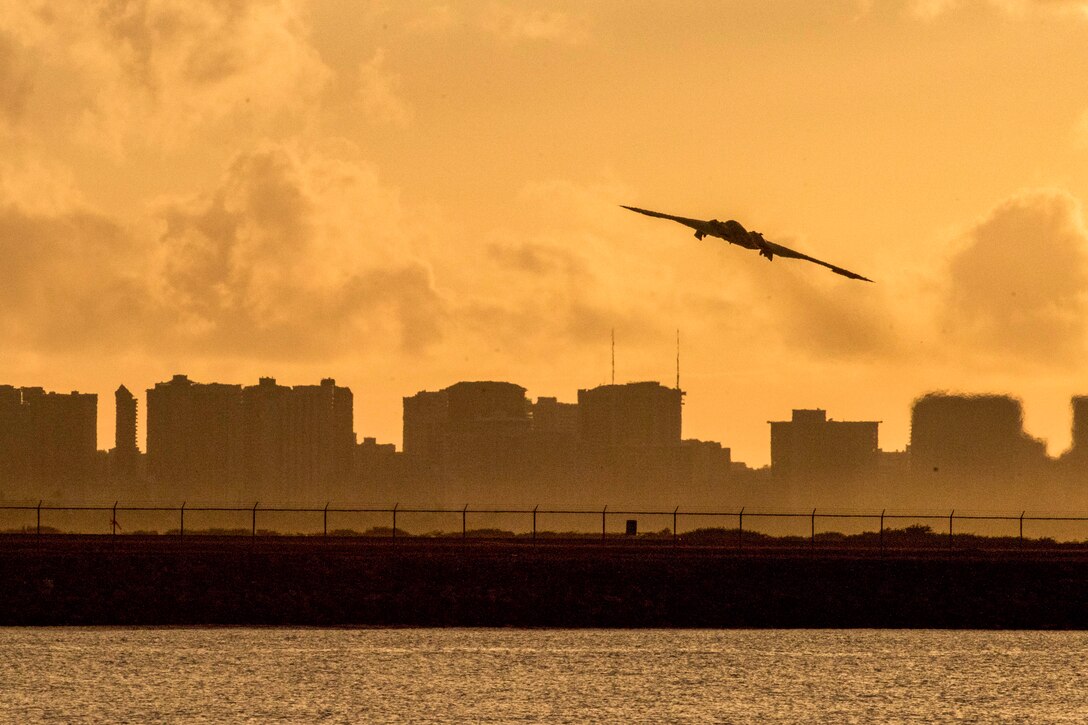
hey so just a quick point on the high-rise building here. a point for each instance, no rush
(321, 440)
(487, 408)
(482, 414)
(629, 446)
(472, 438)
(425, 419)
(48, 441)
(811, 447)
(971, 434)
(634, 415)
(265, 441)
(195, 439)
(266, 424)
(1079, 449)
(126, 453)
(12, 450)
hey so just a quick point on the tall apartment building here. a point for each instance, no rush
(194, 439)
(1078, 451)
(811, 447)
(263, 441)
(11, 448)
(320, 440)
(973, 435)
(633, 415)
(478, 415)
(126, 454)
(48, 441)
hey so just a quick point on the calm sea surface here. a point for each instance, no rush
(480, 675)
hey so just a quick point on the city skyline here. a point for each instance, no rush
(489, 441)
(403, 196)
(755, 452)
(125, 428)
(106, 418)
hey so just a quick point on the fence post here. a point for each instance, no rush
(950, 529)
(674, 532)
(113, 520)
(39, 527)
(1022, 529)
(181, 528)
(464, 522)
(253, 533)
(882, 532)
(325, 522)
(604, 511)
(395, 521)
(534, 522)
(740, 528)
(812, 531)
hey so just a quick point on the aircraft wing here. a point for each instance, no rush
(697, 224)
(781, 251)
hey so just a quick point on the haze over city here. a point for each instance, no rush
(401, 196)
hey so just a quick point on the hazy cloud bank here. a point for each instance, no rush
(155, 72)
(1018, 288)
(286, 257)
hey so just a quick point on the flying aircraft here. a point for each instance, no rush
(732, 232)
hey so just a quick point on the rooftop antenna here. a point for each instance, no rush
(613, 355)
(678, 358)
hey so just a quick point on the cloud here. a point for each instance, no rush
(72, 280)
(512, 22)
(526, 23)
(290, 255)
(830, 317)
(284, 255)
(1018, 288)
(156, 72)
(433, 20)
(15, 81)
(378, 97)
(932, 9)
(543, 286)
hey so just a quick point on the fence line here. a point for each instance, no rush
(736, 517)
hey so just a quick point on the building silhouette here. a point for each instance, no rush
(974, 448)
(380, 472)
(710, 465)
(425, 420)
(634, 415)
(320, 441)
(125, 456)
(629, 439)
(1077, 455)
(473, 413)
(487, 442)
(262, 441)
(194, 439)
(48, 442)
(971, 434)
(811, 446)
(554, 419)
(472, 439)
(12, 447)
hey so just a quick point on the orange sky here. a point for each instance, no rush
(401, 195)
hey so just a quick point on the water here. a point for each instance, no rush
(479, 675)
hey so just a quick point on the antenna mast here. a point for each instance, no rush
(613, 355)
(678, 358)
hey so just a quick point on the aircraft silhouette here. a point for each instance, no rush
(732, 232)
